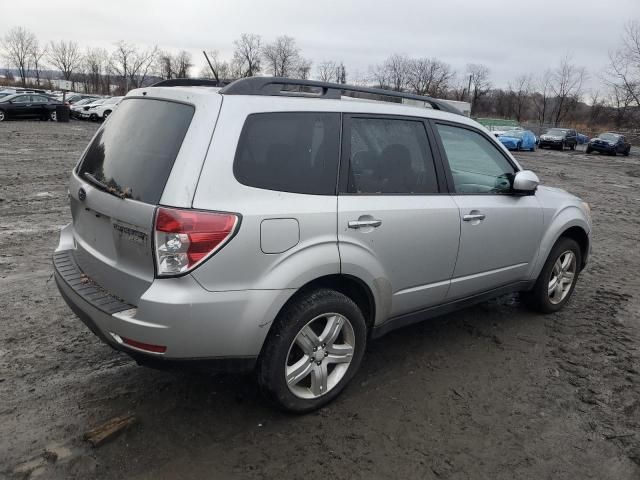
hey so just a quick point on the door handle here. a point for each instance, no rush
(364, 223)
(473, 216)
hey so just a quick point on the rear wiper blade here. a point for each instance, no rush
(107, 188)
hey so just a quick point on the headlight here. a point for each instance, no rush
(587, 208)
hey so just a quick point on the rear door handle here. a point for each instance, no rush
(364, 223)
(473, 216)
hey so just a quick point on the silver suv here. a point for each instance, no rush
(279, 225)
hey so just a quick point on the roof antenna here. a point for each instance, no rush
(210, 66)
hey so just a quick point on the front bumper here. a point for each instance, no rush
(602, 148)
(550, 143)
(193, 324)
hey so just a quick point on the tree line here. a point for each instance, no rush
(552, 97)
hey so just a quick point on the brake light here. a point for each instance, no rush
(186, 238)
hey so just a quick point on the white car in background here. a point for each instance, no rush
(85, 111)
(78, 107)
(104, 109)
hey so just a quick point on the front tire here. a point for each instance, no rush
(558, 278)
(3, 116)
(589, 150)
(313, 350)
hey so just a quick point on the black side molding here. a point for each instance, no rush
(431, 312)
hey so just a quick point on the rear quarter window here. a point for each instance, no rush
(290, 152)
(135, 150)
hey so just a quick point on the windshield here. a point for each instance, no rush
(85, 101)
(609, 137)
(513, 133)
(556, 132)
(8, 97)
(97, 102)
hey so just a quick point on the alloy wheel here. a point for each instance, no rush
(2, 117)
(562, 276)
(320, 355)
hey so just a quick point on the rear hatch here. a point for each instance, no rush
(117, 186)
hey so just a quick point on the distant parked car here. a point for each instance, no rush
(610, 143)
(559, 138)
(77, 107)
(518, 140)
(103, 110)
(28, 105)
(73, 99)
(582, 139)
(86, 110)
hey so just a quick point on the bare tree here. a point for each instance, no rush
(542, 98)
(95, 67)
(282, 57)
(429, 76)
(184, 63)
(165, 65)
(566, 85)
(303, 68)
(520, 93)
(479, 84)
(328, 71)
(623, 72)
(132, 65)
(66, 57)
(37, 54)
(247, 54)
(17, 45)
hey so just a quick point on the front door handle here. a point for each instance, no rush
(473, 216)
(364, 223)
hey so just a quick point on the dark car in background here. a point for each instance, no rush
(609, 143)
(559, 138)
(28, 106)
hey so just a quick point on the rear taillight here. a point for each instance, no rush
(185, 238)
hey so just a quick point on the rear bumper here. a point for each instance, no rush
(227, 328)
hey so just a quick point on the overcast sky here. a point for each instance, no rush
(511, 37)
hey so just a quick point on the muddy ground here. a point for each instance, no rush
(490, 392)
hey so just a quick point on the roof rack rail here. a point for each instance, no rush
(277, 86)
(191, 82)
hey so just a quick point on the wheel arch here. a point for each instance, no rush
(349, 285)
(569, 222)
(581, 238)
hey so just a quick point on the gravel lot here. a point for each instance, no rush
(490, 392)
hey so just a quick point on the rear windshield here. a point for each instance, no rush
(134, 152)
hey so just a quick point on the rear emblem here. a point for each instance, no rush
(82, 195)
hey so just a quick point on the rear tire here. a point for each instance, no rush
(627, 152)
(3, 116)
(106, 114)
(303, 366)
(547, 295)
(52, 116)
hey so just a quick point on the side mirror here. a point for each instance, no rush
(525, 182)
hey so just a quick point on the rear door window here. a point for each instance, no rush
(134, 152)
(390, 156)
(290, 152)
